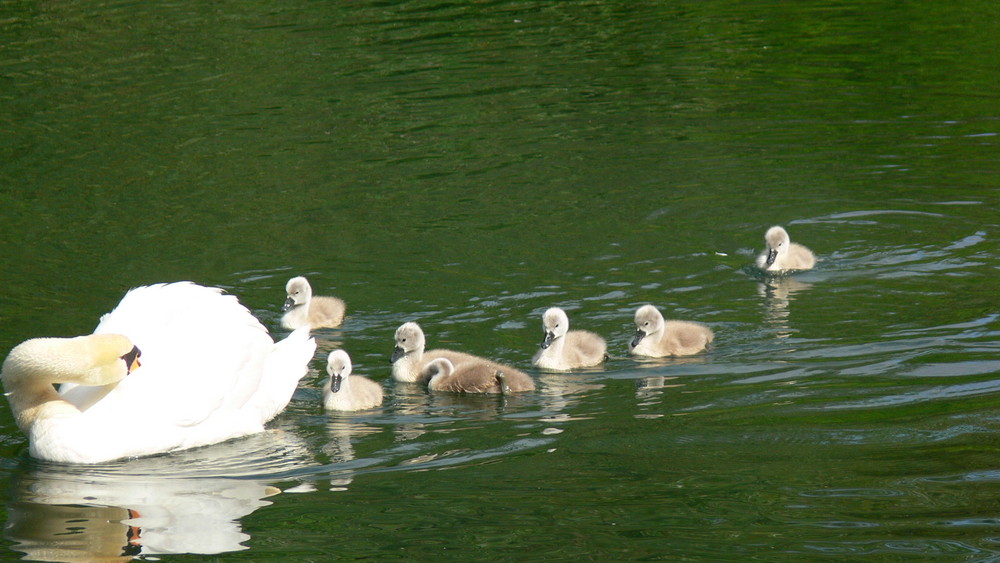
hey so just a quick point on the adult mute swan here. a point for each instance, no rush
(783, 254)
(302, 308)
(565, 349)
(656, 338)
(173, 366)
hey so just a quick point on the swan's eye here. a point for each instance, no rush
(132, 359)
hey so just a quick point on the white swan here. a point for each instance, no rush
(209, 372)
(345, 392)
(655, 337)
(563, 349)
(783, 254)
(302, 308)
(477, 376)
(408, 356)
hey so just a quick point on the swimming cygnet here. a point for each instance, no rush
(783, 254)
(564, 349)
(655, 337)
(410, 363)
(345, 392)
(476, 376)
(302, 308)
(408, 356)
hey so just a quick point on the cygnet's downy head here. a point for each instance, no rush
(338, 366)
(555, 324)
(299, 292)
(777, 243)
(409, 338)
(647, 321)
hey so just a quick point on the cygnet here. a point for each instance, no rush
(345, 392)
(408, 356)
(410, 363)
(655, 337)
(563, 349)
(783, 254)
(476, 376)
(302, 308)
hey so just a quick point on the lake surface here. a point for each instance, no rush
(468, 165)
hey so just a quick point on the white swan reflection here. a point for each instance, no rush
(189, 502)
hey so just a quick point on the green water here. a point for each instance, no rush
(468, 165)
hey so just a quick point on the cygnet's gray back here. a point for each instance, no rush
(476, 376)
(585, 348)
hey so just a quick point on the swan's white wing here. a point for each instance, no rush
(202, 353)
(284, 367)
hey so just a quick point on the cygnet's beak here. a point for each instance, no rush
(289, 303)
(547, 341)
(132, 359)
(771, 255)
(397, 353)
(335, 381)
(639, 335)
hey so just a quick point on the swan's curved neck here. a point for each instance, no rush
(298, 313)
(31, 401)
(658, 335)
(557, 344)
(408, 367)
(439, 370)
(32, 367)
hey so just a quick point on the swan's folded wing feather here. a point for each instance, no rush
(287, 363)
(202, 352)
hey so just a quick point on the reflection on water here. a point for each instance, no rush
(412, 401)
(71, 533)
(648, 390)
(187, 502)
(474, 163)
(113, 515)
(560, 391)
(342, 433)
(778, 293)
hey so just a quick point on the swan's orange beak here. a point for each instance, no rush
(132, 359)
